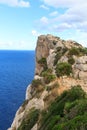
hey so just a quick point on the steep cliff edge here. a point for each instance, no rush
(60, 65)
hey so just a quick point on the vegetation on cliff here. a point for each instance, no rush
(55, 101)
(67, 112)
(30, 119)
(77, 51)
(63, 68)
(48, 76)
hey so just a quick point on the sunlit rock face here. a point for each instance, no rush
(50, 51)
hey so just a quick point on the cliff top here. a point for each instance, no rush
(60, 66)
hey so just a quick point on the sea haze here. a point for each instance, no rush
(16, 72)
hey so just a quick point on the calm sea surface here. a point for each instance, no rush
(16, 72)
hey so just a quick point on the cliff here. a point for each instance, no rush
(58, 89)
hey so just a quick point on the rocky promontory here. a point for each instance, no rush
(58, 90)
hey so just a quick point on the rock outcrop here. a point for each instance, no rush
(49, 82)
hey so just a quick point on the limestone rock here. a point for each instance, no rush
(63, 59)
(37, 77)
(42, 50)
(45, 43)
(50, 59)
(69, 44)
(35, 127)
(46, 48)
(60, 44)
(17, 120)
(81, 67)
(81, 60)
(28, 92)
(83, 75)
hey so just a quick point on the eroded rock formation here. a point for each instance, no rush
(50, 52)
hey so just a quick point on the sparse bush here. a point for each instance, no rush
(43, 63)
(46, 72)
(57, 57)
(48, 76)
(58, 49)
(63, 68)
(54, 42)
(64, 50)
(25, 103)
(83, 50)
(30, 120)
(59, 53)
(74, 51)
(48, 88)
(77, 51)
(71, 60)
(36, 82)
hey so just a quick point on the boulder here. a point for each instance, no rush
(50, 59)
(82, 75)
(81, 67)
(81, 60)
(63, 59)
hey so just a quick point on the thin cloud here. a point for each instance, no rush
(44, 20)
(74, 13)
(44, 7)
(35, 33)
(15, 3)
(62, 27)
(55, 13)
(64, 3)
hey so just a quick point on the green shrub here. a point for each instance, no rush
(30, 120)
(74, 51)
(63, 68)
(46, 72)
(83, 50)
(71, 60)
(43, 63)
(54, 42)
(48, 76)
(82, 106)
(59, 53)
(57, 57)
(77, 51)
(36, 82)
(53, 121)
(76, 93)
(78, 123)
(76, 43)
(58, 49)
(64, 50)
(70, 105)
(56, 117)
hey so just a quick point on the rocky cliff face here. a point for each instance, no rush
(60, 65)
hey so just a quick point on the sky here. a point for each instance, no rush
(22, 21)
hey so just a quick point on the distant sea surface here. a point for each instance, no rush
(16, 72)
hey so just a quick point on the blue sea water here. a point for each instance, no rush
(16, 72)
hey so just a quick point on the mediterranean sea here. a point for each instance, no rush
(16, 73)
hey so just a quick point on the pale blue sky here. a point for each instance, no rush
(21, 21)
